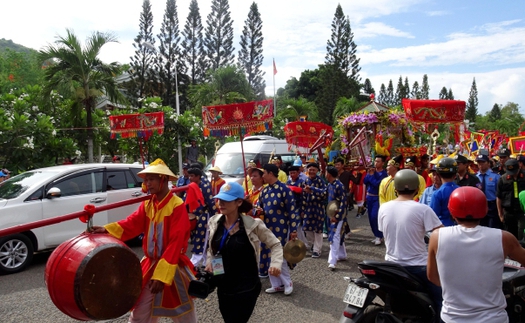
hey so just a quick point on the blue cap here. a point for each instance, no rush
(298, 162)
(484, 158)
(230, 192)
(2, 174)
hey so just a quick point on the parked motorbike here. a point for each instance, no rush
(387, 292)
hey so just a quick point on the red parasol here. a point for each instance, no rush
(434, 111)
(305, 133)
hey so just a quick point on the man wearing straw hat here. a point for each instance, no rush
(216, 181)
(165, 267)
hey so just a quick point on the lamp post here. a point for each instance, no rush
(177, 104)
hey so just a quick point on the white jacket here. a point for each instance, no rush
(257, 233)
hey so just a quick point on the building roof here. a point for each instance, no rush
(373, 107)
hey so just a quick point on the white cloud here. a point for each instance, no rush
(374, 29)
(501, 86)
(437, 13)
(495, 47)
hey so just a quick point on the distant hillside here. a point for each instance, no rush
(9, 44)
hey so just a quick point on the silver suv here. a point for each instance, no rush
(24, 199)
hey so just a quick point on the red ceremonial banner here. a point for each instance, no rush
(136, 125)
(306, 133)
(517, 145)
(237, 118)
(434, 111)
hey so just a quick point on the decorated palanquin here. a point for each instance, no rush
(379, 131)
(237, 119)
(304, 134)
(425, 115)
(142, 125)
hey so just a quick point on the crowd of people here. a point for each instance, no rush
(238, 231)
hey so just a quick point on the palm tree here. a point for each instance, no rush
(293, 109)
(79, 72)
(224, 85)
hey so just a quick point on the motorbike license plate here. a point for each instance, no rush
(355, 295)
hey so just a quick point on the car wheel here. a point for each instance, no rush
(16, 252)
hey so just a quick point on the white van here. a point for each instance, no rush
(257, 148)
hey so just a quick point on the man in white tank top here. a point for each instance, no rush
(467, 261)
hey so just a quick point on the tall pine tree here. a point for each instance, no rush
(401, 92)
(218, 37)
(415, 94)
(367, 87)
(472, 103)
(141, 65)
(341, 48)
(450, 95)
(354, 61)
(381, 98)
(390, 96)
(169, 61)
(443, 94)
(407, 88)
(193, 53)
(495, 113)
(251, 52)
(336, 73)
(337, 46)
(425, 88)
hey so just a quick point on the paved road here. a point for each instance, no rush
(316, 298)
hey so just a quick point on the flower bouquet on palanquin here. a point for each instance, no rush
(389, 129)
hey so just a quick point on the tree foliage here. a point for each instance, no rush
(79, 72)
(506, 119)
(193, 53)
(341, 48)
(415, 93)
(495, 113)
(32, 129)
(306, 87)
(334, 85)
(142, 62)
(222, 86)
(381, 98)
(443, 94)
(425, 89)
(368, 88)
(390, 96)
(251, 52)
(19, 69)
(218, 37)
(168, 61)
(472, 103)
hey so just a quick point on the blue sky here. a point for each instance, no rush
(452, 42)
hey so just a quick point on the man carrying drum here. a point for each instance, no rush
(165, 267)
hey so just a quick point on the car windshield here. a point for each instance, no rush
(231, 163)
(17, 185)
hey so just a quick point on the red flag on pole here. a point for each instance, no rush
(274, 67)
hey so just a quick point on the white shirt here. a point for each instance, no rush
(404, 224)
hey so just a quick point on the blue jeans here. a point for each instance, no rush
(435, 291)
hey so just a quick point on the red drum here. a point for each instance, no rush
(93, 277)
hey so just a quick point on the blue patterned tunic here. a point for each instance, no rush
(299, 197)
(336, 192)
(315, 205)
(280, 213)
(203, 213)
